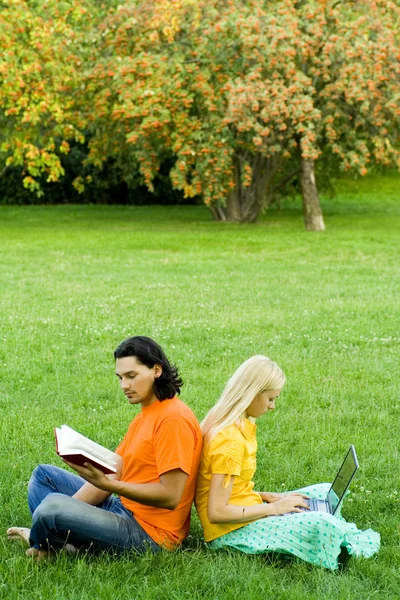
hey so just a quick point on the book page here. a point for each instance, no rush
(88, 451)
(70, 440)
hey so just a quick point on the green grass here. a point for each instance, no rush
(75, 281)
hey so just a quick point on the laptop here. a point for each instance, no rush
(339, 486)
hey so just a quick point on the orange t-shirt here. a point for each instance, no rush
(163, 436)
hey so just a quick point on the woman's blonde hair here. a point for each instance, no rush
(257, 374)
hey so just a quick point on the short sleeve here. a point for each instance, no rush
(174, 444)
(226, 455)
(121, 447)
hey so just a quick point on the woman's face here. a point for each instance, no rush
(262, 403)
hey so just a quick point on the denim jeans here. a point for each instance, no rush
(58, 519)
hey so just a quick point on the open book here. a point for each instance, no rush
(78, 449)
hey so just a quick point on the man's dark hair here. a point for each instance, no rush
(149, 353)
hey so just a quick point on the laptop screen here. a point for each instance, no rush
(343, 479)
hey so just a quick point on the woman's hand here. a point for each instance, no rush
(289, 503)
(272, 497)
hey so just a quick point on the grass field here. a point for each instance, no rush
(75, 281)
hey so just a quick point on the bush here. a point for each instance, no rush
(105, 186)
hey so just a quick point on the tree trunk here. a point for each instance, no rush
(313, 219)
(233, 209)
(245, 203)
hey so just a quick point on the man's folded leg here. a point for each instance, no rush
(48, 479)
(61, 520)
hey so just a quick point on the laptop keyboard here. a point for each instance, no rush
(312, 503)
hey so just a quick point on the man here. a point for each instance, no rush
(156, 478)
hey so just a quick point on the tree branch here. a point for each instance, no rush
(3, 171)
(286, 179)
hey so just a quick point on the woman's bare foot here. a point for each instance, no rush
(19, 533)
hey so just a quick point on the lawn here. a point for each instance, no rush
(76, 280)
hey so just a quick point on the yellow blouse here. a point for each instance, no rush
(231, 452)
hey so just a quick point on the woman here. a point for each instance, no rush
(232, 514)
(159, 458)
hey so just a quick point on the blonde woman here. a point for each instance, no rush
(232, 513)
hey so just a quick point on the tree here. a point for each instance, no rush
(230, 93)
(351, 53)
(196, 90)
(41, 69)
(232, 90)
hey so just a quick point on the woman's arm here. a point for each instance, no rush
(220, 511)
(274, 497)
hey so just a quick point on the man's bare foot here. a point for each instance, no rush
(23, 533)
(70, 549)
(19, 533)
(40, 554)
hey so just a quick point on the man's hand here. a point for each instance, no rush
(94, 476)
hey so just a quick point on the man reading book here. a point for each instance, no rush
(146, 504)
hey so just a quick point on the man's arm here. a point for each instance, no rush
(165, 494)
(93, 495)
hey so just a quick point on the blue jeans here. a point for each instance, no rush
(58, 519)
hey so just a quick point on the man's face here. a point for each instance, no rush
(137, 380)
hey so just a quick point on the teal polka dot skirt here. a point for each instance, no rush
(315, 537)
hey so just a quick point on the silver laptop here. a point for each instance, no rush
(339, 486)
